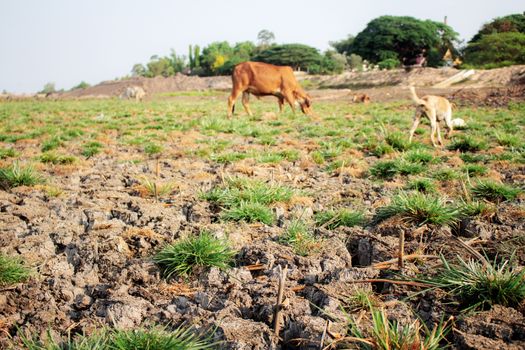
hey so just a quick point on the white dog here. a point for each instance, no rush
(436, 109)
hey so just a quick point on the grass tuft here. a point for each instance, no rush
(54, 158)
(91, 148)
(7, 153)
(333, 219)
(247, 200)
(15, 175)
(424, 185)
(183, 257)
(479, 285)
(419, 156)
(419, 208)
(474, 169)
(398, 141)
(385, 334)
(387, 169)
(249, 212)
(12, 270)
(154, 338)
(466, 143)
(299, 237)
(494, 192)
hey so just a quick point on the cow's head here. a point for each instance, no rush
(304, 101)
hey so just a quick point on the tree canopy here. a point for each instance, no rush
(511, 23)
(401, 38)
(498, 43)
(496, 50)
(298, 56)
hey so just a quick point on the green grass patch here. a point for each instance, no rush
(387, 169)
(481, 285)
(55, 158)
(300, 238)
(419, 208)
(424, 185)
(445, 174)
(12, 270)
(7, 153)
(183, 258)
(16, 175)
(398, 141)
(509, 140)
(419, 156)
(474, 169)
(466, 143)
(494, 191)
(247, 200)
(389, 334)
(154, 338)
(152, 149)
(90, 149)
(249, 212)
(52, 143)
(332, 219)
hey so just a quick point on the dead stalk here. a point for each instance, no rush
(326, 327)
(401, 249)
(278, 314)
(155, 191)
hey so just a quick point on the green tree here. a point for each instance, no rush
(511, 23)
(138, 70)
(298, 56)
(82, 85)
(355, 62)
(159, 66)
(265, 38)
(177, 62)
(496, 50)
(401, 38)
(214, 56)
(196, 56)
(343, 46)
(49, 88)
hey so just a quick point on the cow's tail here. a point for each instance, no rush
(233, 108)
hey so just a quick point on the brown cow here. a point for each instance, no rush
(262, 79)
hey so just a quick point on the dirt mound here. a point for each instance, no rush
(493, 97)
(152, 86)
(423, 77)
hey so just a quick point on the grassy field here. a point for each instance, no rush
(219, 190)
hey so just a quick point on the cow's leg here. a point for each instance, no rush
(280, 100)
(245, 102)
(231, 101)
(288, 96)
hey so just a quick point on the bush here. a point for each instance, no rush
(183, 257)
(389, 63)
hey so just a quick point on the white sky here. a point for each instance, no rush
(67, 41)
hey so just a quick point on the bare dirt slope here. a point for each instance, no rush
(424, 77)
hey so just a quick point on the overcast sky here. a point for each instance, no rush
(67, 41)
